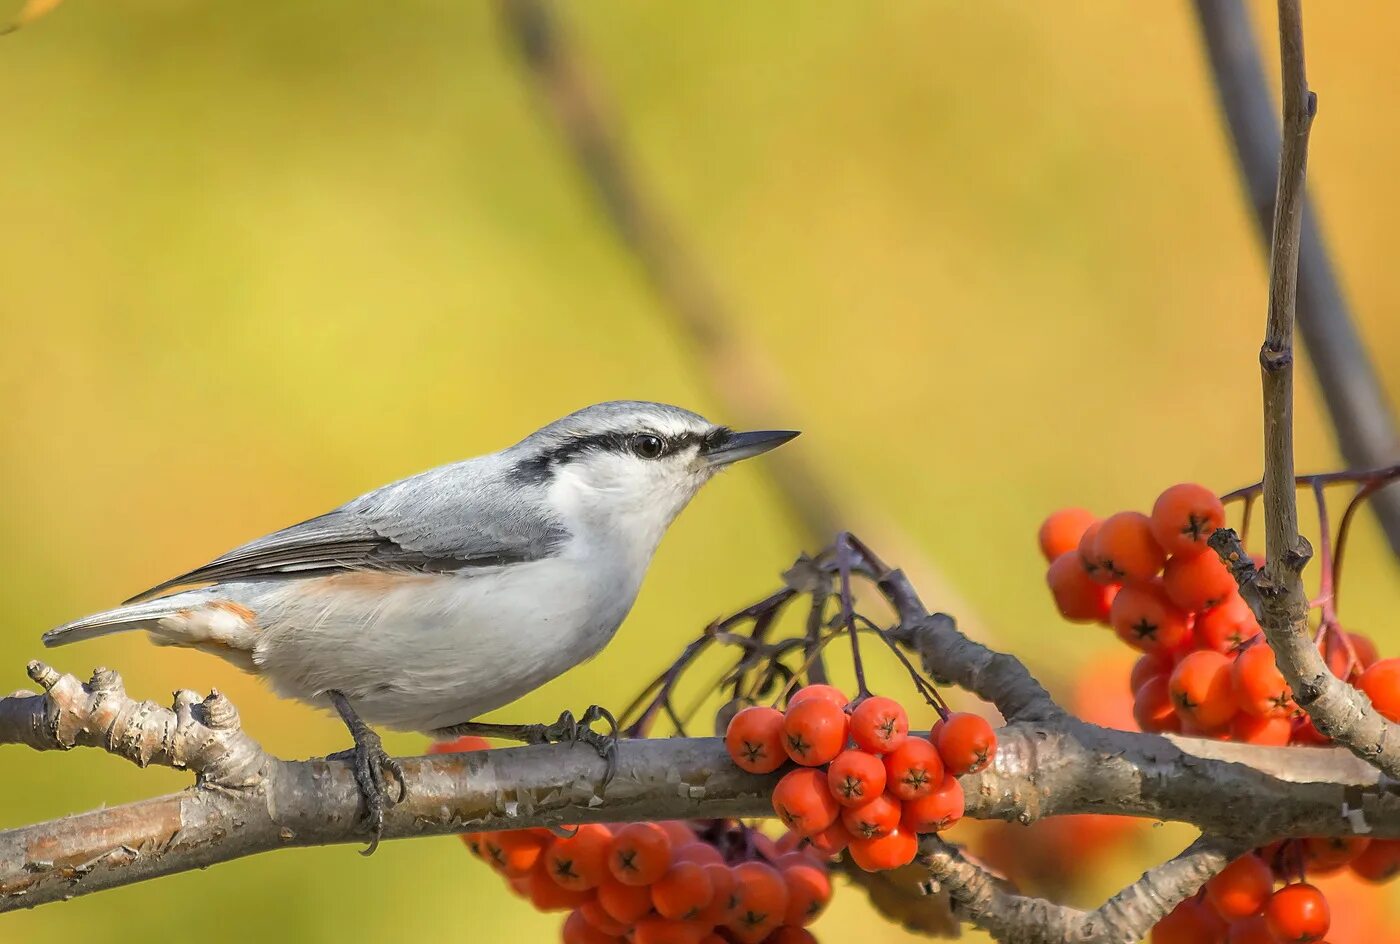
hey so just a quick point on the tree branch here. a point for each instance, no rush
(1123, 919)
(1277, 593)
(1366, 428)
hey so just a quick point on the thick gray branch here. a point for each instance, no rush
(1366, 428)
(1123, 919)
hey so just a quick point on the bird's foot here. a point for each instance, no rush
(566, 730)
(373, 769)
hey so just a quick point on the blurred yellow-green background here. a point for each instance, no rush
(256, 258)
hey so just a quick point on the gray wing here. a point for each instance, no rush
(449, 519)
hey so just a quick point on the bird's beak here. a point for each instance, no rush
(738, 446)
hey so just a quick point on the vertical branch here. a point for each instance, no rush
(1338, 710)
(1365, 426)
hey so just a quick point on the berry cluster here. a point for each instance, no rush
(863, 783)
(660, 883)
(1207, 671)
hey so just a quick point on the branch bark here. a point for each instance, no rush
(1123, 919)
(1365, 425)
(246, 802)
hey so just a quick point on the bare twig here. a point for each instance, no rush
(1365, 425)
(1123, 919)
(1277, 592)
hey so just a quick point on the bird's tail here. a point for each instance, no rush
(119, 620)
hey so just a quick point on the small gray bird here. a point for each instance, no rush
(427, 602)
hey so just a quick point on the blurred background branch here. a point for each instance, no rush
(1365, 426)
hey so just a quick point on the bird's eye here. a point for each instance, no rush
(647, 446)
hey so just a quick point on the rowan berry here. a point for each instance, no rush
(624, 903)
(1197, 582)
(966, 743)
(1259, 686)
(814, 731)
(875, 818)
(1152, 706)
(1062, 531)
(1272, 731)
(803, 801)
(809, 890)
(683, 891)
(1298, 914)
(879, 725)
(1126, 549)
(578, 930)
(913, 769)
(1379, 861)
(1227, 625)
(1078, 597)
(754, 739)
(579, 862)
(889, 851)
(1191, 922)
(855, 777)
(1242, 888)
(1201, 690)
(640, 854)
(1143, 617)
(763, 900)
(935, 811)
(1381, 683)
(822, 691)
(1327, 854)
(1184, 516)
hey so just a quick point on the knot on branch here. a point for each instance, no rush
(204, 736)
(1274, 359)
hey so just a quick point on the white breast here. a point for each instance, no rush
(422, 652)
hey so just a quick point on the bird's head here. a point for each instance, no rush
(630, 466)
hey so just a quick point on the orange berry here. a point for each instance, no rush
(1259, 686)
(1126, 549)
(875, 818)
(1077, 596)
(578, 930)
(1327, 854)
(640, 854)
(1062, 531)
(1253, 930)
(461, 745)
(935, 811)
(1381, 683)
(1198, 582)
(1378, 862)
(803, 802)
(814, 731)
(680, 832)
(790, 935)
(725, 900)
(1201, 690)
(966, 743)
(1366, 652)
(830, 842)
(913, 769)
(1191, 922)
(754, 739)
(1089, 557)
(514, 851)
(1274, 731)
(1184, 516)
(1227, 625)
(855, 777)
(1148, 665)
(825, 692)
(809, 889)
(683, 891)
(1145, 619)
(1241, 888)
(580, 862)
(624, 903)
(1298, 914)
(879, 725)
(596, 915)
(694, 851)
(548, 895)
(1152, 706)
(763, 900)
(885, 852)
(668, 931)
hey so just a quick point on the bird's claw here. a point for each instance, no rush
(571, 730)
(373, 769)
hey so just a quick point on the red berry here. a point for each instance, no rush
(1259, 686)
(580, 862)
(1152, 707)
(578, 930)
(874, 819)
(1381, 683)
(1184, 516)
(809, 889)
(814, 731)
(913, 769)
(1298, 914)
(1275, 731)
(1062, 531)
(1145, 619)
(830, 842)
(1227, 625)
(935, 811)
(1148, 665)
(514, 851)
(1191, 922)
(1089, 558)
(683, 891)
(1077, 596)
(966, 742)
(879, 725)
(461, 745)
(855, 778)
(754, 739)
(1241, 889)
(885, 852)
(640, 854)
(623, 903)
(1126, 549)
(1198, 582)
(1253, 930)
(1327, 854)
(763, 899)
(1378, 862)
(1201, 690)
(803, 802)
(825, 692)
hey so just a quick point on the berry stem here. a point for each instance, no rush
(844, 554)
